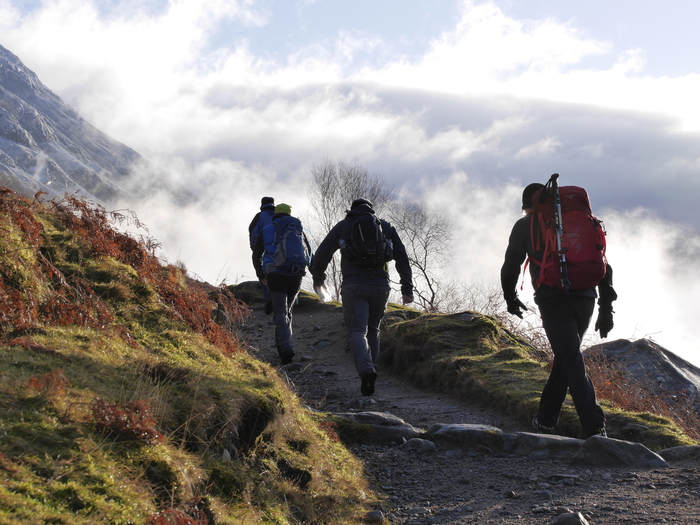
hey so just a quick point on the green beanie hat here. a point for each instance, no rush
(283, 208)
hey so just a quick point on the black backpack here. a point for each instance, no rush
(367, 247)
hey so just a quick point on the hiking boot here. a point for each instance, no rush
(541, 429)
(367, 386)
(286, 357)
(600, 432)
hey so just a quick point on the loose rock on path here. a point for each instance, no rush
(428, 483)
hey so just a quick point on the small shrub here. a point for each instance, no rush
(51, 385)
(330, 429)
(129, 420)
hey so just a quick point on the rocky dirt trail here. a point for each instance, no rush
(449, 486)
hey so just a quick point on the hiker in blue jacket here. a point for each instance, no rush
(262, 219)
(364, 290)
(565, 317)
(282, 274)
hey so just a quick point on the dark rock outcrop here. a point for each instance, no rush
(653, 369)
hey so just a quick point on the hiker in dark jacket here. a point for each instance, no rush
(364, 291)
(284, 286)
(262, 219)
(565, 318)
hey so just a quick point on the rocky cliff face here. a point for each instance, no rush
(658, 370)
(46, 146)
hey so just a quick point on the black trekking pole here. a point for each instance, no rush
(563, 268)
(559, 224)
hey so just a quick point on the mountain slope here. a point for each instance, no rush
(46, 146)
(126, 397)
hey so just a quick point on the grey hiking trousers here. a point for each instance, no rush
(363, 308)
(283, 292)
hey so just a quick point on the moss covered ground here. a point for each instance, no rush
(126, 396)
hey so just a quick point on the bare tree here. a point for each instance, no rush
(333, 188)
(427, 235)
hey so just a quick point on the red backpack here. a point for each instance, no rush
(582, 240)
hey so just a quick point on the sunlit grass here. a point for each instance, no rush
(122, 401)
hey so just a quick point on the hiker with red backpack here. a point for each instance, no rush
(281, 254)
(564, 245)
(366, 245)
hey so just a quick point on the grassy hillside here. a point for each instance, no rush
(125, 396)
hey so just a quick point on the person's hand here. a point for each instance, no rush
(264, 281)
(515, 306)
(604, 323)
(407, 299)
(320, 290)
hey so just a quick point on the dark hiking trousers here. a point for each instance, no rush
(565, 320)
(363, 309)
(283, 292)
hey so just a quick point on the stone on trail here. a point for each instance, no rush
(608, 452)
(681, 453)
(569, 519)
(421, 445)
(376, 516)
(380, 428)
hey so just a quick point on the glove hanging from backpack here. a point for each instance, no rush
(606, 295)
(604, 324)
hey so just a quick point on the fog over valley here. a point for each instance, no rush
(456, 104)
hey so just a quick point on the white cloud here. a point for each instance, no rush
(487, 48)
(491, 103)
(489, 52)
(657, 289)
(8, 13)
(542, 148)
(657, 286)
(593, 150)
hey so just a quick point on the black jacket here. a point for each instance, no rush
(354, 274)
(520, 247)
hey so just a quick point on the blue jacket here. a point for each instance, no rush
(261, 219)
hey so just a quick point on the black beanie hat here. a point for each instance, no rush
(360, 202)
(267, 200)
(528, 192)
